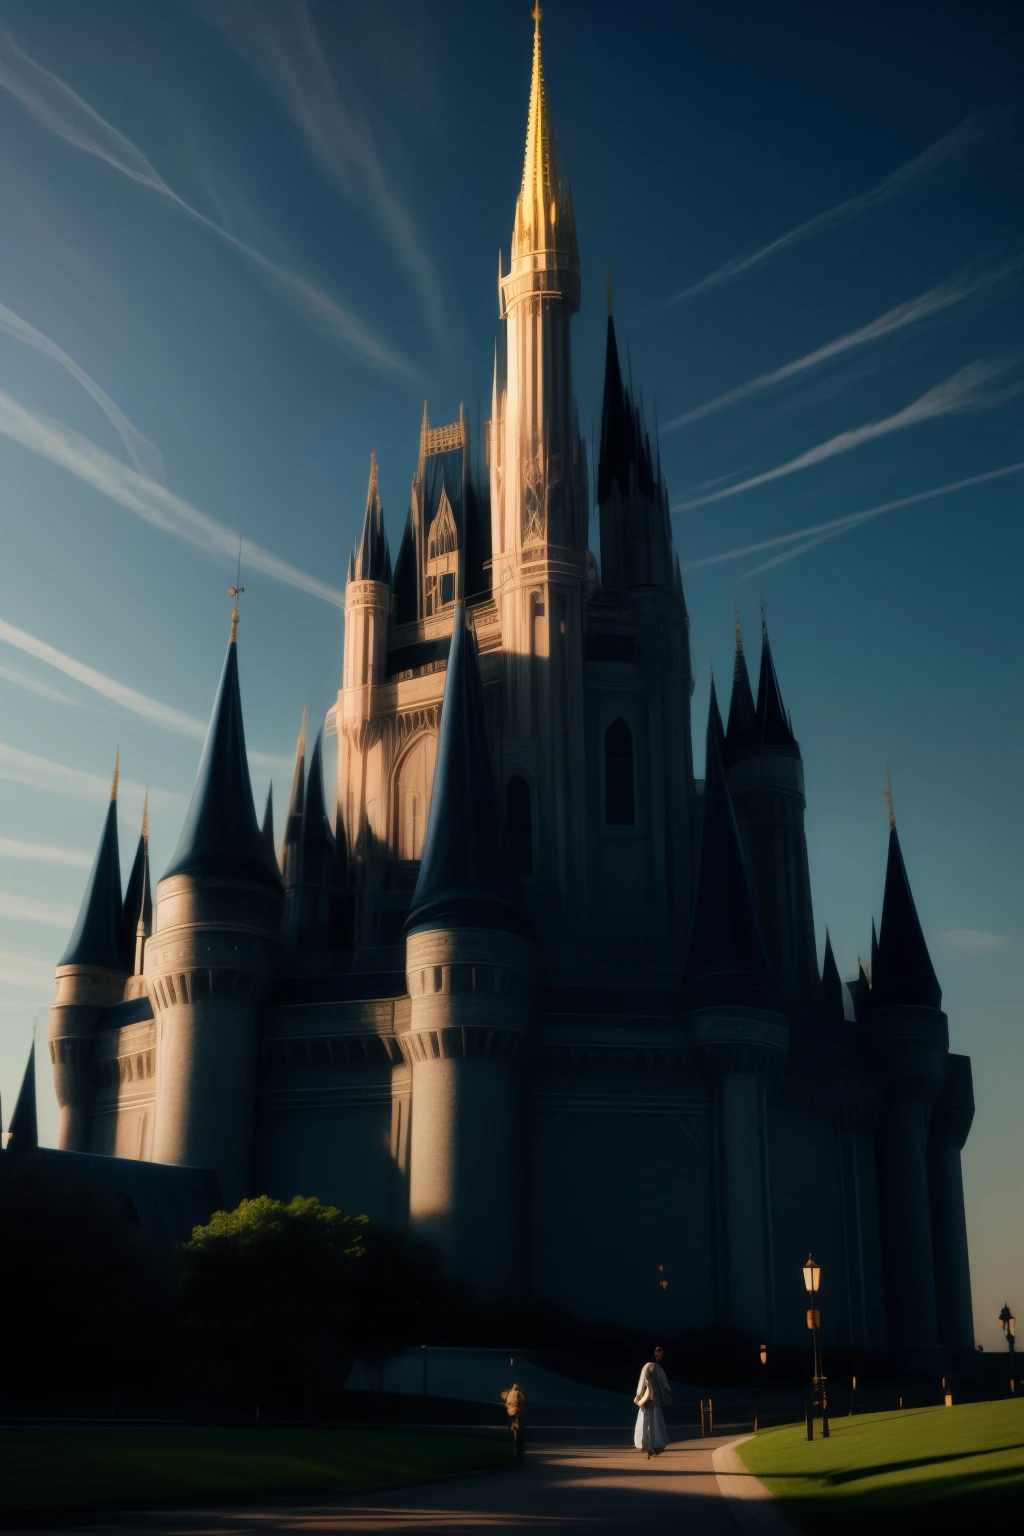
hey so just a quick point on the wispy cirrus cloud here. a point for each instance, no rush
(33, 685)
(150, 501)
(43, 853)
(58, 108)
(963, 391)
(818, 533)
(22, 971)
(280, 45)
(143, 454)
(153, 710)
(943, 296)
(42, 773)
(56, 914)
(974, 941)
(959, 139)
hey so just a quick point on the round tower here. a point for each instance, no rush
(90, 977)
(766, 782)
(216, 942)
(469, 968)
(735, 1018)
(907, 1038)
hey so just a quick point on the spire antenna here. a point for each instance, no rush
(117, 774)
(764, 622)
(236, 592)
(887, 797)
(536, 13)
(739, 632)
(145, 820)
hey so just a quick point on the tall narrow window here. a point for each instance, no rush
(619, 807)
(519, 818)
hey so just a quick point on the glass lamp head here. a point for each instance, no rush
(812, 1276)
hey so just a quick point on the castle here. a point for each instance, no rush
(534, 990)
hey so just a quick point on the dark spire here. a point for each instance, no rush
(616, 424)
(268, 824)
(221, 835)
(466, 879)
(293, 815)
(874, 952)
(715, 719)
(772, 724)
(405, 584)
(831, 986)
(727, 963)
(98, 934)
(372, 557)
(902, 973)
(741, 733)
(138, 897)
(316, 840)
(23, 1129)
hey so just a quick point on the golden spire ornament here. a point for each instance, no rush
(236, 592)
(117, 773)
(887, 797)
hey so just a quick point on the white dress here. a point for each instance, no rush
(652, 1394)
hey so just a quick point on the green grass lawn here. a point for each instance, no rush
(940, 1468)
(43, 1470)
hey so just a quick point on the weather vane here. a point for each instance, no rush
(236, 592)
(887, 797)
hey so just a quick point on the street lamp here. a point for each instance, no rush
(812, 1282)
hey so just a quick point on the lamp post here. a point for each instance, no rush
(1008, 1323)
(812, 1282)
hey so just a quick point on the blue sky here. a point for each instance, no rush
(241, 245)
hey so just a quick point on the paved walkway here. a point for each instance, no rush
(564, 1487)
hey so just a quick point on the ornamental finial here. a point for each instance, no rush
(536, 13)
(236, 592)
(739, 632)
(887, 797)
(117, 774)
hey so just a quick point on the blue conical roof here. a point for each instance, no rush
(466, 879)
(902, 972)
(715, 719)
(773, 729)
(316, 837)
(97, 936)
(831, 985)
(24, 1133)
(727, 964)
(138, 898)
(221, 835)
(372, 557)
(741, 731)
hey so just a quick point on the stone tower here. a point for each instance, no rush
(91, 975)
(215, 942)
(734, 1010)
(469, 970)
(539, 506)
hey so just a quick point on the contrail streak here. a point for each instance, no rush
(969, 132)
(143, 454)
(43, 853)
(58, 108)
(54, 913)
(942, 296)
(960, 392)
(152, 502)
(818, 533)
(42, 773)
(141, 704)
(21, 971)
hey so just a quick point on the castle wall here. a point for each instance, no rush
(124, 1099)
(618, 1173)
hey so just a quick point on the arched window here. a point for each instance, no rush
(519, 819)
(619, 808)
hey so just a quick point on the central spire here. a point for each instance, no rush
(544, 214)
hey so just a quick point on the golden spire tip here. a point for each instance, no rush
(117, 774)
(145, 819)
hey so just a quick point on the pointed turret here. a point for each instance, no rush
(221, 835)
(902, 974)
(316, 840)
(267, 828)
(467, 878)
(97, 936)
(544, 214)
(874, 955)
(372, 561)
(741, 732)
(138, 897)
(618, 446)
(406, 582)
(293, 816)
(773, 729)
(727, 963)
(23, 1134)
(831, 985)
(715, 728)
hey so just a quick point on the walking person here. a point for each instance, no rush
(653, 1395)
(515, 1407)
